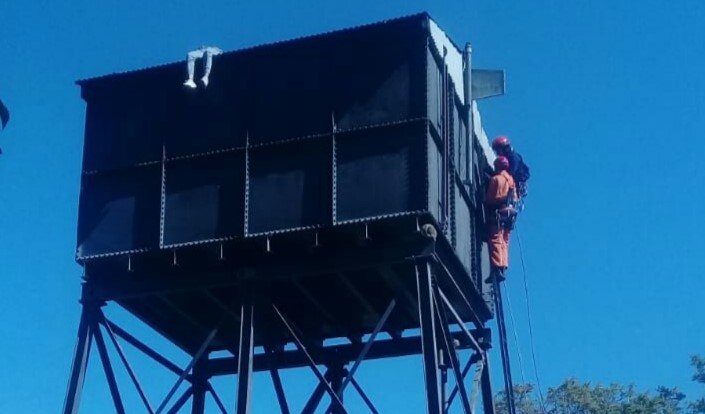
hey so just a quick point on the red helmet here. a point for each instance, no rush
(500, 142)
(501, 163)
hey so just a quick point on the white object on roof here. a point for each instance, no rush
(209, 52)
(454, 58)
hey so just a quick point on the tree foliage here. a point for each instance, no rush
(698, 363)
(575, 397)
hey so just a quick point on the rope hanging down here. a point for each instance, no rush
(516, 335)
(531, 326)
(504, 348)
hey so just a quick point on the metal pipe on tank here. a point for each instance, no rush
(467, 97)
(445, 138)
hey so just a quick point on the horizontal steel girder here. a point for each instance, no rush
(386, 348)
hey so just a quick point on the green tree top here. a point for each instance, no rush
(575, 397)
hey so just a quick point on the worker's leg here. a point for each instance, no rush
(210, 52)
(503, 263)
(191, 66)
(496, 245)
(497, 250)
(505, 242)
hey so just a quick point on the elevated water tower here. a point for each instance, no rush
(319, 188)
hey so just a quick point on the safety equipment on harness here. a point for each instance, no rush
(500, 142)
(506, 216)
(501, 163)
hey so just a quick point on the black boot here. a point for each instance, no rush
(500, 274)
(496, 272)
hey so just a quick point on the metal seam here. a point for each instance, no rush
(162, 211)
(245, 226)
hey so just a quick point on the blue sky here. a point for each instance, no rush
(605, 100)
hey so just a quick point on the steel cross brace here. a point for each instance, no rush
(475, 358)
(312, 364)
(185, 372)
(92, 318)
(370, 341)
(316, 396)
(217, 399)
(277, 382)
(450, 351)
(486, 387)
(125, 362)
(89, 330)
(145, 349)
(434, 308)
(181, 401)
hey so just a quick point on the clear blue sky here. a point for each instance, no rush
(605, 99)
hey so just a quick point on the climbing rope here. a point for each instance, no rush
(516, 336)
(504, 348)
(531, 327)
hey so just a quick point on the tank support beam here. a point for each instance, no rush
(312, 364)
(201, 351)
(437, 344)
(79, 365)
(245, 353)
(429, 341)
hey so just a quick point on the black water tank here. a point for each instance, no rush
(314, 132)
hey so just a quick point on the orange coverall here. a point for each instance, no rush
(497, 191)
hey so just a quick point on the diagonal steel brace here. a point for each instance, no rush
(365, 350)
(186, 370)
(311, 362)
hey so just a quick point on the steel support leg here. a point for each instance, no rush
(245, 356)
(444, 381)
(486, 385)
(200, 388)
(504, 348)
(451, 353)
(78, 367)
(337, 375)
(429, 345)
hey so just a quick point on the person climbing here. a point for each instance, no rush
(517, 168)
(500, 198)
